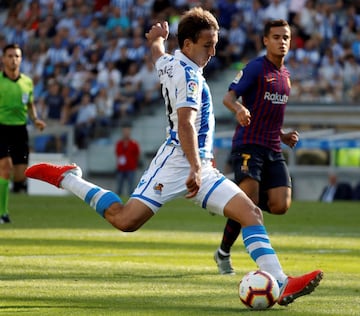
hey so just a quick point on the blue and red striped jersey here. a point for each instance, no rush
(264, 90)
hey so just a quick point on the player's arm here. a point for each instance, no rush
(290, 139)
(242, 114)
(189, 144)
(39, 124)
(156, 38)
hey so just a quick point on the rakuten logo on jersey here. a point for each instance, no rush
(276, 98)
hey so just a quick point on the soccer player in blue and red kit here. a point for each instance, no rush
(259, 166)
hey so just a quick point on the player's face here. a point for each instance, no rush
(12, 59)
(202, 51)
(278, 41)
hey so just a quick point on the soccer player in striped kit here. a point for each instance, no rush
(182, 167)
(259, 166)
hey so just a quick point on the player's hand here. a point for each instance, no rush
(39, 124)
(193, 183)
(158, 30)
(290, 139)
(243, 116)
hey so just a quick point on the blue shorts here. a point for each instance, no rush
(266, 166)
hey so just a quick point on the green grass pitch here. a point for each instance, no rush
(58, 257)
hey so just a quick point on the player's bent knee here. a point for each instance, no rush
(128, 218)
(278, 209)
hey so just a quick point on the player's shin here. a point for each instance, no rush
(4, 196)
(231, 233)
(258, 245)
(98, 198)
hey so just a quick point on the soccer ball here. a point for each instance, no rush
(258, 290)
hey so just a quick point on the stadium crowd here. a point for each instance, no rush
(90, 65)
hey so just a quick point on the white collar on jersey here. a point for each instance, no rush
(179, 55)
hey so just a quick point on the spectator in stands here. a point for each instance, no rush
(131, 85)
(85, 121)
(127, 153)
(117, 19)
(79, 76)
(225, 11)
(308, 74)
(71, 98)
(351, 75)
(68, 20)
(348, 31)
(255, 20)
(112, 51)
(330, 79)
(137, 48)
(295, 8)
(52, 109)
(335, 190)
(78, 56)
(17, 34)
(52, 104)
(85, 16)
(277, 9)
(124, 105)
(105, 111)
(310, 51)
(307, 18)
(355, 47)
(150, 84)
(57, 53)
(123, 62)
(237, 38)
(32, 16)
(107, 73)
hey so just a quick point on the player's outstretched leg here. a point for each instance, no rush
(299, 286)
(69, 177)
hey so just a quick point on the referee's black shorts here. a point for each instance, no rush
(14, 143)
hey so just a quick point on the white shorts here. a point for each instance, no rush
(165, 179)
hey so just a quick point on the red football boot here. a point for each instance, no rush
(51, 173)
(299, 286)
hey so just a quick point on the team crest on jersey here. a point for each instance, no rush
(192, 89)
(238, 77)
(158, 188)
(25, 98)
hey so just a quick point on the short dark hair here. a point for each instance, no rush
(274, 23)
(10, 46)
(193, 22)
